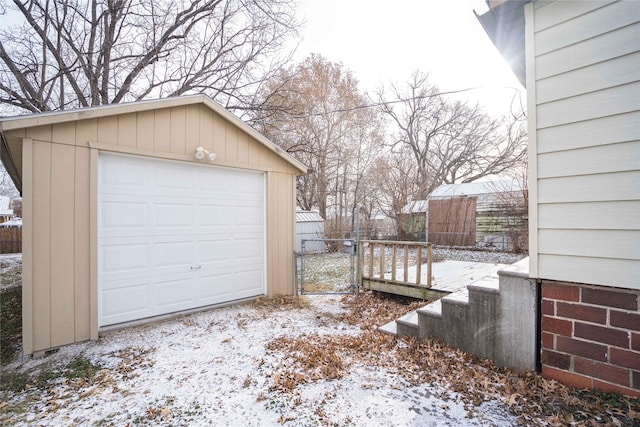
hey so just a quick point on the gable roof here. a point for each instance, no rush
(308, 216)
(56, 117)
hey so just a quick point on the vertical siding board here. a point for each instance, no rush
(108, 130)
(206, 125)
(145, 130)
(231, 141)
(254, 152)
(64, 133)
(532, 130)
(93, 243)
(219, 137)
(162, 128)
(178, 130)
(243, 146)
(86, 130)
(127, 130)
(81, 245)
(41, 284)
(27, 247)
(62, 244)
(42, 133)
(192, 128)
(272, 235)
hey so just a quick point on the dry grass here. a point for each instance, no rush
(535, 400)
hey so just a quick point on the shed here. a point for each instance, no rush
(486, 213)
(309, 225)
(127, 216)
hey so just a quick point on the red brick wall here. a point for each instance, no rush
(591, 336)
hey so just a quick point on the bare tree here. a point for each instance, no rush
(313, 110)
(61, 54)
(450, 141)
(394, 177)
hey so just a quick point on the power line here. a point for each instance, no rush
(517, 94)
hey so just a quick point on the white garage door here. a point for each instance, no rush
(174, 236)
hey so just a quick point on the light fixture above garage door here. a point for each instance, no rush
(201, 152)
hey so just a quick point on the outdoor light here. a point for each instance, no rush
(201, 152)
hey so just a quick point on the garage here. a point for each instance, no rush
(175, 236)
(143, 210)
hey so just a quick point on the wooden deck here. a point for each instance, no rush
(447, 277)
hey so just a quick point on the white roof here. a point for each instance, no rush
(5, 201)
(476, 188)
(415, 206)
(308, 216)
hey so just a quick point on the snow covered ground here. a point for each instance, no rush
(221, 367)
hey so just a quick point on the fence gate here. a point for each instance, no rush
(326, 266)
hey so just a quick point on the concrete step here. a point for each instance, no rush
(490, 285)
(407, 325)
(390, 328)
(432, 310)
(456, 298)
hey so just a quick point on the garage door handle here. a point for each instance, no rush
(198, 267)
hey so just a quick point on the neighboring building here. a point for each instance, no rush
(309, 226)
(490, 214)
(581, 62)
(413, 225)
(126, 217)
(6, 211)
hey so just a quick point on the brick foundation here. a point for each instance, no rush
(591, 336)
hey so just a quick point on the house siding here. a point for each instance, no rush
(586, 91)
(59, 172)
(583, 72)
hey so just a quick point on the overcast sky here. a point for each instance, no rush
(384, 41)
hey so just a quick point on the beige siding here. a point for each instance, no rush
(82, 249)
(280, 232)
(41, 258)
(60, 300)
(585, 80)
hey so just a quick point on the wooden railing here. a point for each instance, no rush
(395, 263)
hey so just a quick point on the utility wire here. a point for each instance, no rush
(413, 98)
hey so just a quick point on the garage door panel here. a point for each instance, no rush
(212, 215)
(172, 178)
(174, 293)
(119, 174)
(245, 184)
(172, 254)
(124, 216)
(182, 235)
(173, 215)
(212, 250)
(124, 303)
(124, 258)
(247, 215)
(247, 248)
